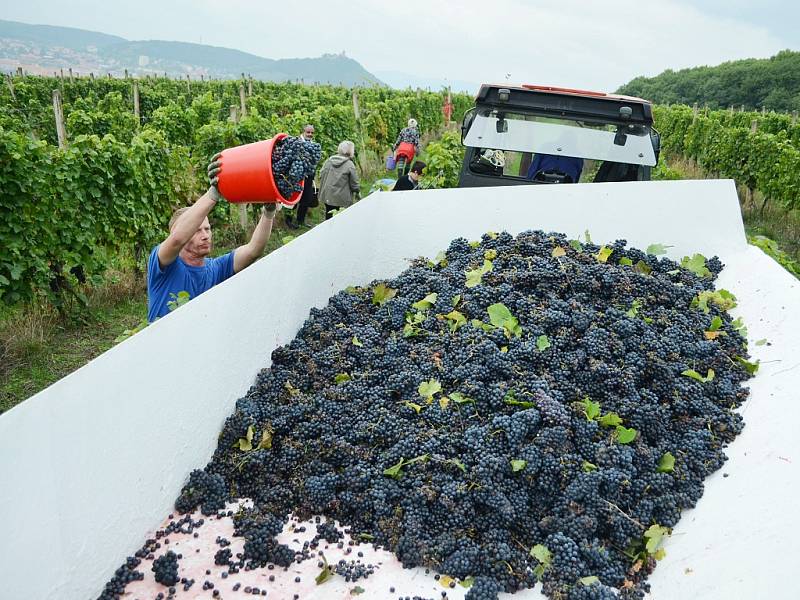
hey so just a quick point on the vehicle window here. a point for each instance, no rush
(530, 134)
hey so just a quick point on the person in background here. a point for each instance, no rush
(338, 179)
(309, 197)
(410, 181)
(408, 135)
(180, 263)
(570, 166)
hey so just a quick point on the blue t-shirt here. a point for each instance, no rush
(568, 165)
(180, 277)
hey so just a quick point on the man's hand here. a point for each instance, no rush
(214, 169)
(270, 209)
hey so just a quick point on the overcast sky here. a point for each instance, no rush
(580, 43)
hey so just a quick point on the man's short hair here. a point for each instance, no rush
(418, 166)
(176, 215)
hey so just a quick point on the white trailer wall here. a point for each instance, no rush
(91, 464)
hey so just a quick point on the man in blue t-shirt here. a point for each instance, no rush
(180, 263)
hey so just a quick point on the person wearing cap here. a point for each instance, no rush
(410, 181)
(180, 263)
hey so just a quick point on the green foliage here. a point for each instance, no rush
(755, 83)
(444, 162)
(116, 184)
(770, 247)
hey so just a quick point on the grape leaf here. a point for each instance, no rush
(576, 245)
(642, 267)
(761, 342)
(456, 300)
(499, 314)
(458, 463)
(446, 580)
(588, 467)
(394, 470)
(341, 378)
(695, 375)
(357, 342)
(356, 591)
(512, 401)
(542, 554)
(716, 323)
(558, 252)
(590, 409)
(456, 319)
(426, 303)
(611, 419)
(460, 398)
(589, 580)
(587, 237)
(416, 407)
(542, 343)
(467, 582)
(750, 367)
(382, 294)
(518, 465)
(625, 262)
(696, 264)
(443, 402)
(625, 435)
(427, 389)
(655, 535)
(667, 463)
(657, 249)
(246, 443)
(490, 254)
(603, 254)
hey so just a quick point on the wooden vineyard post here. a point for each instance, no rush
(234, 117)
(694, 112)
(794, 116)
(10, 83)
(71, 76)
(249, 88)
(188, 84)
(19, 71)
(59, 114)
(126, 73)
(136, 102)
(753, 126)
(243, 106)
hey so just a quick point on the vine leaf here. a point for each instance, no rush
(518, 465)
(427, 389)
(696, 264)
(382, 294)
(611, 419)
(750, 367)
(589, 580)
(460, 398)
(558, 252)
(667, 463)
(245, 444)
(657, 249)
(625, 435)
(341, 378)
(603, 254)
(625, 262)
(696, 376)
(427, 302)
(590, 409)
(542, 343)
(357, 342)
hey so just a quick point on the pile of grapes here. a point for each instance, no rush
(294, 159)
(518, 410)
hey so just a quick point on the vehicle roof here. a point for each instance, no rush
(548, 89)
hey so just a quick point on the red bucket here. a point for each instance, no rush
(246, 174)
(405, 149)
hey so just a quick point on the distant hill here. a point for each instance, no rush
(44, 49)
(773, 83)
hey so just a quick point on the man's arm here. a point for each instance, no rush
(187, 224)
(245, 255)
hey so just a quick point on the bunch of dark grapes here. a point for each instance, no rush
(294, 159)
(165, 568)
(571, 427)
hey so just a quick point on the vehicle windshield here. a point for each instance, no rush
(561, 137)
